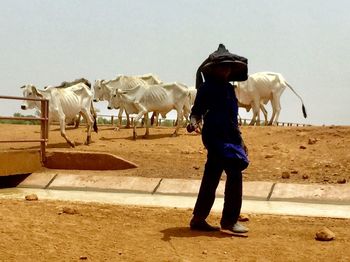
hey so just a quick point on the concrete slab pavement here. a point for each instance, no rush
(258, 197)
(104, 183)
(38, 180)
(181, 187)
(186, 187)
(175, 201)
(258, 190)
(314, 193)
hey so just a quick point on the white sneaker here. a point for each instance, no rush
(236, 228)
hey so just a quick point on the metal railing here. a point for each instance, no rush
(112, 117)
(44, 124)
(246, 121)
(242, 121)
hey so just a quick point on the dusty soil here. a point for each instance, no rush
(39, 231)
(313, 154)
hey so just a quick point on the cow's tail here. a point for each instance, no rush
(93, 112)
(303, 107)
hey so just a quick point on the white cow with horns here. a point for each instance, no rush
(155, 98)
(260, 88)
(64, 105)
(103, 89)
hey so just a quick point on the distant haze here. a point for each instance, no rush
(48, 42)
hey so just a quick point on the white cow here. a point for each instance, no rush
(248, 107)
(64, 105)
(103, 89)
(159, 98)
(192, 96)
(193, 93)
(66, 84)
(151, 79)
(260, 88)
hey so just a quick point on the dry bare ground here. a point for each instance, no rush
(307, 154)
(39, 231)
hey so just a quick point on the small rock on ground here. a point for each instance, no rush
(341, 181)
(325, 234)
(31, 197)
(285, 175)
(69, 210)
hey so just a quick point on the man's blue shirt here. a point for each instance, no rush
(216, 103)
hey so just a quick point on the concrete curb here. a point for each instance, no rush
(256, 190)
(176, 201)
(312, 193)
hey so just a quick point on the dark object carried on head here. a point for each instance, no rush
(238, 64)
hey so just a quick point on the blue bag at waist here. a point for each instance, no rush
(233, 151)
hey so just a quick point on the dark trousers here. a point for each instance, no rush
(233, 189)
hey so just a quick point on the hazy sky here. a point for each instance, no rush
(47, 42)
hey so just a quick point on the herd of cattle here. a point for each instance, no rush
(147, 93)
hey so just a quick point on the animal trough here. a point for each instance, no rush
(26, 162)
(19, 162)
(86, 161)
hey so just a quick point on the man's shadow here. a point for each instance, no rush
(187, 232)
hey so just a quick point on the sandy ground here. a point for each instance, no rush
(38, 231)
(306, 154)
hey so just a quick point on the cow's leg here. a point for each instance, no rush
(276, 107)
(274, 110)
(154, 119)
(77, 121)
(120, 119)
(179, 121)
(143, 121)
(254, 118)
(277, 116)
(142, 111)
(272, 116)
(255, 109)
(94, 116)
(258, 123)
(134, 134)
(89, 122)
(157, 119)
(127, 120)
(252, 122)
(263, 109)
(146, 119)
(63, 130)
(136, 119)
(186, 114)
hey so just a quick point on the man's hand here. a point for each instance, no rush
(190, 128)
(193, 125)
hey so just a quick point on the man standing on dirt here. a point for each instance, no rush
(216, 105)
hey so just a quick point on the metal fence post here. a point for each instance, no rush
(44, 130)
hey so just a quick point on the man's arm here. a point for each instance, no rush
(198, 109)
